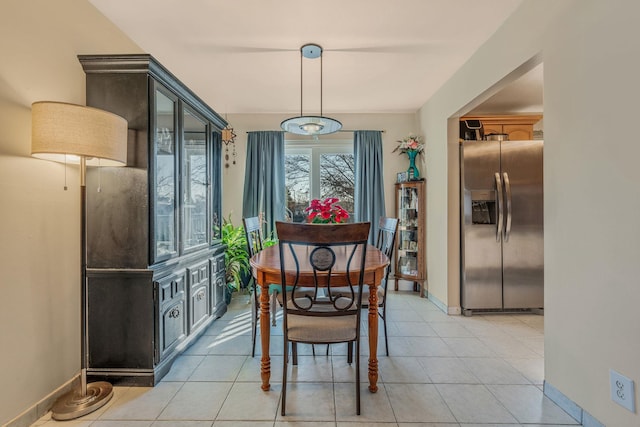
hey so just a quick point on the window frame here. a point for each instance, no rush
(315, 150)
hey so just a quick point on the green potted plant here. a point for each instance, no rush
(236, 257)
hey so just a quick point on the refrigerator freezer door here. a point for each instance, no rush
(481, 253)
(523, 256)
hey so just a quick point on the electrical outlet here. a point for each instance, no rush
(622, 391)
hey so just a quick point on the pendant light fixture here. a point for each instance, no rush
(311, 125)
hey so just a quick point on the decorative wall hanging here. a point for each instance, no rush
(229, 137)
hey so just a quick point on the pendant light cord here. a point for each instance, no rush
(301, 55)
(321, 84)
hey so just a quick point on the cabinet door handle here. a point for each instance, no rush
(200, 295)
(174, 313)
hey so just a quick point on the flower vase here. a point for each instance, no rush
(412, 173)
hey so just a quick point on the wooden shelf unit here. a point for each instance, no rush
(411, 237)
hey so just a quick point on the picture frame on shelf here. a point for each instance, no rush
(402, 177)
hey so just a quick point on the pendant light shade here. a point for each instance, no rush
(311, 124)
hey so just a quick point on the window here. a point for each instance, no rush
(318, 170)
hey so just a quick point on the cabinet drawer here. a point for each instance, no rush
(199, 306)
(171, 287)
(172, 322)
(199, 285)
(173, 327)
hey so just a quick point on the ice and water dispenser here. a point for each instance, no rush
(483, 206)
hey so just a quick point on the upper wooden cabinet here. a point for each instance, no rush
(519, 128)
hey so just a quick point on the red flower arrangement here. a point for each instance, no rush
(327, 211)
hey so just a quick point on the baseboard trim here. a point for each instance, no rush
(442, 306)
(570, 407)
(40, 408)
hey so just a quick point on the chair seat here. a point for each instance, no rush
(334, 329)
(365, 294)
(322, 329)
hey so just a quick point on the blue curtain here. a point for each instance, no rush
(264, 178)
(369, 185)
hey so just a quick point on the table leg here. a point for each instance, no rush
(373, 338)
(265, 332)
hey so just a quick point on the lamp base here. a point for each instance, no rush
(74, 404)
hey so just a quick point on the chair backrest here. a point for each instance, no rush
(253, 233)
(325, 256)
(387, 229)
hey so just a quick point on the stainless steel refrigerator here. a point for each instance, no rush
(502, 262)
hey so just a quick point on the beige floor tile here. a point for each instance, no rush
(250, 371)
(374, 407)
(427, 346)
(183, 368)
(407, 369)
(71, 423)
(197, 401)
(494, 371)
(311, 369)
(309, 402)
(142, 403)
(437, 425)
(450, 329)
(218, 368)
(485, 370)
(532, 369)
(174, 423)
(412, 329)
(468, 347)
(447, 370)
(243, 424)
(247, 402)
(529, 405)
(418, 403)
(125, 423)
(239, 345)
(306, 424)
(506, 346)
(474, 404)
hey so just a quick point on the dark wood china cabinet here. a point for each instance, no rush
(155, 262)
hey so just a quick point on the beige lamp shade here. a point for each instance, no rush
(64, 132)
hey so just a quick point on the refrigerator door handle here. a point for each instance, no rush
(499, 207)
(507, 187)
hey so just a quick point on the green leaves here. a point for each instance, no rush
(236, 257)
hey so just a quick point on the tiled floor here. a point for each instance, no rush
(485, 370)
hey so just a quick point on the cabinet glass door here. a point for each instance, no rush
(408, 237)
(164, 201)
(216, 185)
(195, 168)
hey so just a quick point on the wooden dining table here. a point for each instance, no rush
(266, 269)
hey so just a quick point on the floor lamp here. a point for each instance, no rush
(77, 134)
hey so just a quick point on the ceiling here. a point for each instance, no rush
(243, 56)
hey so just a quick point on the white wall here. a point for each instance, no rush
(395, 126)
(39, 221)
(591, 51)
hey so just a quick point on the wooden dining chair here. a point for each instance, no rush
(385, 241)
(330, 317)
(253, 235)
(387, 229)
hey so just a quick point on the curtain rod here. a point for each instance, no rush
(342, 130)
